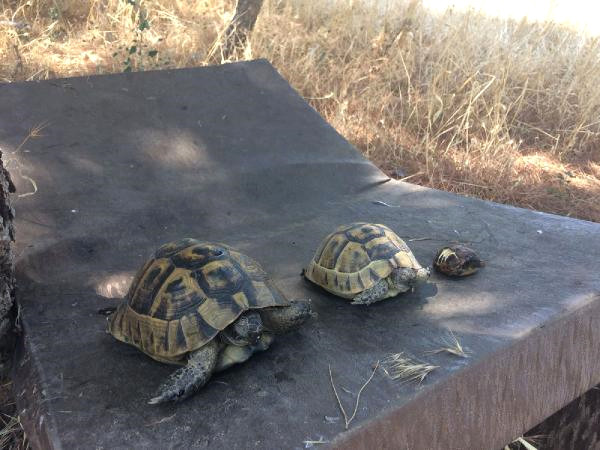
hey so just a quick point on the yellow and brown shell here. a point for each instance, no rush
(457, 260)
(356, 256)
(185, 294)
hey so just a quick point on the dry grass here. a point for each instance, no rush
(11, 432)
(452, 346)
(525, 442)
(499, 109)
(400, 367)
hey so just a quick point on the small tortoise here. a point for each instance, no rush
(457, 260)
(365, 262)
(204, 306)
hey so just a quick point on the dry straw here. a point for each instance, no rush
(400, 367)
(452, 346)
(12, 436)
(529, 443)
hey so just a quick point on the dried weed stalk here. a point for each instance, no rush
(347, 419)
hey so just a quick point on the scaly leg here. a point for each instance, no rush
(375, 293)
(188, 379)
(280, 320)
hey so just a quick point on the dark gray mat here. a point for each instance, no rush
(233, 154)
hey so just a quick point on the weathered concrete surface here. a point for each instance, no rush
(232, 154)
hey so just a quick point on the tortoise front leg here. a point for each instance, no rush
(375, 293)
(280, 320)
(188, 379)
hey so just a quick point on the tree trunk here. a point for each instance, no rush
(241, 25)
(7, 277)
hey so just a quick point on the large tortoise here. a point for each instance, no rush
(204, 306)
(365, 262)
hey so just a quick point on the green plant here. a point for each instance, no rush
(138, 53)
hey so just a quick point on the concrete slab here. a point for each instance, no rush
(232, 153)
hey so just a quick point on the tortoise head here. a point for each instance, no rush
(407, 277)
(422, 274)
(246, 330)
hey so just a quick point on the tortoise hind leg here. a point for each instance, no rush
(283, 319)
(188, 379)
(377, 292)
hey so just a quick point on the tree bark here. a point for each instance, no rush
(7, 277)
(241, 25)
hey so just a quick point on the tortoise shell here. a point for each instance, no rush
(356, 256)
(185, 294)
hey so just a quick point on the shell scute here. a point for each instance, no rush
(142, 295)
(381, 248)
(329, 254)
(363, 233)
(352, 259)
(198, 254)
(171, 248)
(219, 277)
